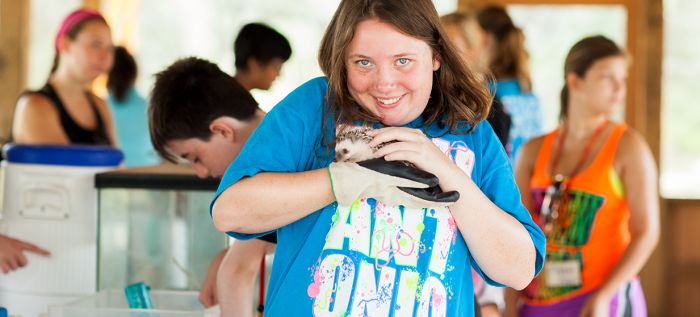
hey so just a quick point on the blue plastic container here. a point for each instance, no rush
(71, 155)
(137, 296)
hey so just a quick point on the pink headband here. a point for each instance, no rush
(74, 18)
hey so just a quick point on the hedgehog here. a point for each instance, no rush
(352, 145)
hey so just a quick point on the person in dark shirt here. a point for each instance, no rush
(64, 111)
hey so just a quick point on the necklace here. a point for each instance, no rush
(557, 195)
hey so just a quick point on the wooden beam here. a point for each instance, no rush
(468, 5)
(647, 120)
(552, 2)
(92, 4)
(14, 55)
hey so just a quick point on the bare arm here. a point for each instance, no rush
(208, 295)
(268, 201)
(524, 168)
(506, 254)
(639, 176)
(236, 279)
(36, 121)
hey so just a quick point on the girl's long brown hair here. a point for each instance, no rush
(459, 97)
(510, 59)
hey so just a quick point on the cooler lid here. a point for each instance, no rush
(70, 155)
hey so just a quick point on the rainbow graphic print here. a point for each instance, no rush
(580, 212)
(381, 260)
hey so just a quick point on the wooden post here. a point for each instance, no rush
(14, 55)
(653, 275)
(92, 4)
(467, 5)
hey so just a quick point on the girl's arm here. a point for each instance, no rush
(512, 298)
(499, 243)
(637, 170)
(37, 121)
(524, 168)
(267, 201)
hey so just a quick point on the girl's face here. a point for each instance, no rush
(91, 53)
(389, 73)
(604, 85)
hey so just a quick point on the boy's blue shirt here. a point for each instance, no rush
(369, 259)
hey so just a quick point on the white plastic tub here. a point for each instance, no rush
(49, 200)
(112, 303)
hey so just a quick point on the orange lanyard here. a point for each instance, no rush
(563, 187)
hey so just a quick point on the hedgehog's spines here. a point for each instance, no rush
(353, 134)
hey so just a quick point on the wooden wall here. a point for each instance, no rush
(14, 55)
(683, 258)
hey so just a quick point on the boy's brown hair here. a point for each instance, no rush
(188, 96)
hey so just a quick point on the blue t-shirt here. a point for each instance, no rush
(525, 114)
(369, 259)
(131, 125)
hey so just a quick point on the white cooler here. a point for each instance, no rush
(49, 200)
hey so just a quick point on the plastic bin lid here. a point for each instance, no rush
(71, 155)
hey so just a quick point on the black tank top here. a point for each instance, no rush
(77, 134)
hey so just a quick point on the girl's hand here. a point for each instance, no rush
(597, 305)
(413, 146)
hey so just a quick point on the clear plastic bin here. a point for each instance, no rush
(154, 227)
(112, 303)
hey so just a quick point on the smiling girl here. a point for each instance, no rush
(64, 111)
(592, 186)
(357, 242)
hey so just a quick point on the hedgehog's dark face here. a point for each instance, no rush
(349, 151)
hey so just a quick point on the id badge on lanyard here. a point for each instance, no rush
(566, 270)
(562, 273)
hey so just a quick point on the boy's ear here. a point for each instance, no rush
(222, 128)
(253, 64)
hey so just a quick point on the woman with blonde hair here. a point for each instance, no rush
(505, 55)
(464, 30)
(376, 237)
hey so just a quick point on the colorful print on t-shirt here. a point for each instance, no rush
(384, 260)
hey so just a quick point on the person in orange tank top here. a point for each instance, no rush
(591, 185)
